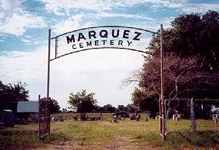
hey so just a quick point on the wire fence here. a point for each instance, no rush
(192, 114)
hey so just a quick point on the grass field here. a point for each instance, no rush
(100, 135)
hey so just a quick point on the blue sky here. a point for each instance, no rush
(23, 43)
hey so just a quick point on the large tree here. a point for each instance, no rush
(191, 59)
(10, 94)
(193, 35)
(193, 40)
(54, 106)
(83, 101)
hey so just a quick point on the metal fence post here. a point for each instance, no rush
(39, 135)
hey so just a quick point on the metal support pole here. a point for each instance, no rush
(48, 79)
(39, 117)
(162, 101)
(48, 63)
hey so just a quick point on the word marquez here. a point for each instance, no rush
(108, 38)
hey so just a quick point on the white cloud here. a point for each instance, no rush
(106, 14)
(64, 7)
(8, 7)
(101, 71)
(154, 3)
(71, 23)
(80, 21)
(104, 8)
(61, 7)
(20, 22)
(27, 67)
(14, 20)
(27, 41)
(100, 7)
(199, 8)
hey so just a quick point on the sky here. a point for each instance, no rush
(24, 28)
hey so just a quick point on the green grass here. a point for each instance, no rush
(86, 133)
(19, 137)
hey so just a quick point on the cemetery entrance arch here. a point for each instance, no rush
(104, 37)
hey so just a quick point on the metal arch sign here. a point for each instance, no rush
(100, 37)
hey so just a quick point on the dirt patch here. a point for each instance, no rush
(118, 143)
(125, 143)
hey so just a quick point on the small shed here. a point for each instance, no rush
(28, 111)
(28, 107)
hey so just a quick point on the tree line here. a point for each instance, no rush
(12, 93)
(85, 102)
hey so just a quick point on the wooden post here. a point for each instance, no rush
(162, 101)
(192, 113)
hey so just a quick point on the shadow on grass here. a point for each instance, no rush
(11, 139)
(206, 138)
(182, 139)
(17, 139)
